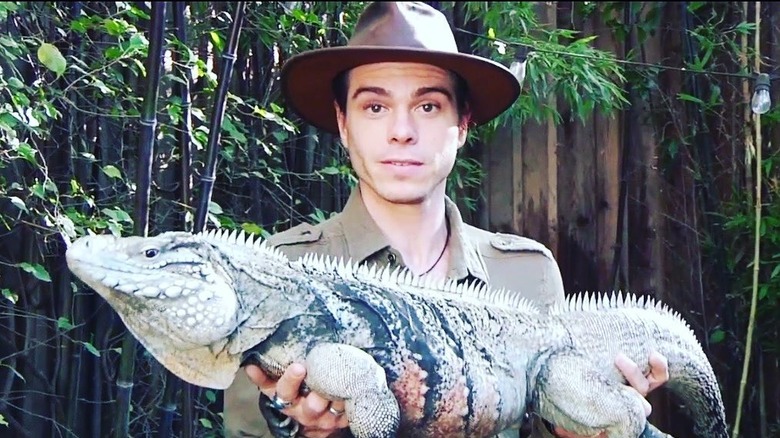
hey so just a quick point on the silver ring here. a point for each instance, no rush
(279, 403)
(335, 411)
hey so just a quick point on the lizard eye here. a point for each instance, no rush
(151, 253)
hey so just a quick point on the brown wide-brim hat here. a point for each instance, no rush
(395, 32)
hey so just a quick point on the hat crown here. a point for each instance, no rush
(414, 25)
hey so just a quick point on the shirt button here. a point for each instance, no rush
(391, 258)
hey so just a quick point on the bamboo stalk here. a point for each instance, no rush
(182, 89)
(71, 305)
(184, 136)
(743, 63)
(148, 122)
(215, 125)
(757, 237)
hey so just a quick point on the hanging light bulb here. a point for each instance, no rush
(761, 101)
(518, 64)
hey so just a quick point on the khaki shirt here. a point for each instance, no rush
(500, 260)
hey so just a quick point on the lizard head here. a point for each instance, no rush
(172, 294)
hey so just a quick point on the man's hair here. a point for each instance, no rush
(340, 87)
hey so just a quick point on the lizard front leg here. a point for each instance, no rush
(343, 372)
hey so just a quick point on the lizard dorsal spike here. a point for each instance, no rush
(394, 275)
(231, 236)
(222, 234)
(408, 278)
(605, 301)
(586, 301)
(362, 270)
(386, 271)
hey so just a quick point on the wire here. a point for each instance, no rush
(618, 61)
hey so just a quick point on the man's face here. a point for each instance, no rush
(401, 129)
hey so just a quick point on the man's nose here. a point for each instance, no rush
(403, 128)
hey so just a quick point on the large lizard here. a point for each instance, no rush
(409, 356)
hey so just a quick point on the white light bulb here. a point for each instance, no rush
(518, 70)
(761, 101)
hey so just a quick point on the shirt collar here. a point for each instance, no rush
(364, 238)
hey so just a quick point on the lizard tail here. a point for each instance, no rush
(694, 381)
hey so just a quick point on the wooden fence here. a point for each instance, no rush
(619, 212)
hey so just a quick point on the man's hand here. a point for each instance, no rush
(643, 384)
(311, 412)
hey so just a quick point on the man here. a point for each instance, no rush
(401, 98)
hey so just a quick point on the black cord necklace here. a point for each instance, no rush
(446, 243)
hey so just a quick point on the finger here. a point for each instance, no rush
(260, 379)
(648, 407)
(659, 370)
(337, 406)
(290, 383)
(337, 410)
(645, 404)
(632, 373)
(314, 406)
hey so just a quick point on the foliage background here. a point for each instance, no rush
(73, 79)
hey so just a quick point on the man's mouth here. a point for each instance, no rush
(402, 162)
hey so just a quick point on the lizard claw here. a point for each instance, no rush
(280, 425)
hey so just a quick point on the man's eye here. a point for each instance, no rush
(428, 107)
(375, 108)
(151, 253)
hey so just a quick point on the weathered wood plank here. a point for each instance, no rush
(576, 182)
(607, 143)
(536, 200)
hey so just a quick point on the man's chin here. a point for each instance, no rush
(405, 198)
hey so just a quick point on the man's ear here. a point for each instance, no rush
(341, 119)
(463, 128)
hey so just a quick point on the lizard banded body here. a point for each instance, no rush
(409, 356)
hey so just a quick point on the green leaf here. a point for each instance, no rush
(689, 98)
(763, 291)
(2, 420)
(15, 83)
(215, 208)
(211, 396)
(230, 128)
(330, 170)
(91, 348)
(252, 228)
(717, 336)
(50, 56)
(27, 152)
(775, 272)
(36, 270)
(112, 171)
(18, 203)
(64, 323)
(10, 295)
(117, 214)
(205, 422)
(218, 41)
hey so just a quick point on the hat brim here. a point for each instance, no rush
(306, 79)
